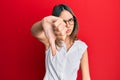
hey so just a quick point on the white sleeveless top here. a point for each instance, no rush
(65, 64)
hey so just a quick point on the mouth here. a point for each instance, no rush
(68, 31)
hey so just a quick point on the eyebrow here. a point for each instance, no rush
(68, 19)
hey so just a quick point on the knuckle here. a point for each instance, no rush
(55, 24)
(45, 18)
(60, 19)
(62, 33)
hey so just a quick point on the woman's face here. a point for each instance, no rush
(69, 20)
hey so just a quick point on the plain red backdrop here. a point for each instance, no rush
(22, 56)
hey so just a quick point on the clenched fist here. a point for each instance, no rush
(54, 28)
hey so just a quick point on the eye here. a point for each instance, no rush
(65, 21)
(71, 19)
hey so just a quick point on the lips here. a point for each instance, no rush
(69, 30)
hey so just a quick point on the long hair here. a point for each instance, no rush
(57, 11)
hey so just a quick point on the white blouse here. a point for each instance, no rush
(65, 64)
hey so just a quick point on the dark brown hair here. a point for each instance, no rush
(57, 11)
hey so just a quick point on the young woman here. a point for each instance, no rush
(64, 52)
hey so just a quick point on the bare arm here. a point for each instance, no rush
(85, 66)
(48, 30)
(38, 32)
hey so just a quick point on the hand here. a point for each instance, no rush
(54, 28)
(60, 29)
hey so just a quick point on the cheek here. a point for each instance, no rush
(72, 27)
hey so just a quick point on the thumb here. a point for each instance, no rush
(53, 48)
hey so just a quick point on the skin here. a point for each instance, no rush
(43, 30)
(65, 15)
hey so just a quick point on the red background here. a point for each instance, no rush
(22, 56)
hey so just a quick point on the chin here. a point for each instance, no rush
(68, 34)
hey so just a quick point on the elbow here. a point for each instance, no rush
(33, 30)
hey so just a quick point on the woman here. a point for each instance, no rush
(64, 52)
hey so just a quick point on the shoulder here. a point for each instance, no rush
(81, 43)
(82, 46)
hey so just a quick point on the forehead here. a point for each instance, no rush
(65, 15)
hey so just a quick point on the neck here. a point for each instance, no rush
(68, 40)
